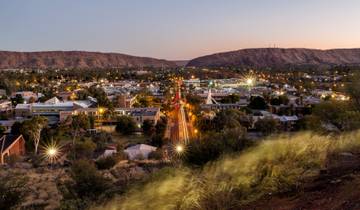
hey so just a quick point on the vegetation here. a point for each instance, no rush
(125, 125)
(13, 189)
(278, 165)
(213, 145)
(86, 185)
(32, 128)
(257, 102)
(267, 125)
(107, 162)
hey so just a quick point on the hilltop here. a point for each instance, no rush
(76, 59)
(279, 57)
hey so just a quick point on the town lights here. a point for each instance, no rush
(101, 110)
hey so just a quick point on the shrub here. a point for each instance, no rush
(156, 155)
(87, 181)
(107, 162)
(125, 125)
(13, 189)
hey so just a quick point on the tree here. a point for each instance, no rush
(148, 128)
(78, 123)
(230, 99)
(88, 181)
(84, 149)
(267, 125)
(279, 100)
(257, 102)
(213, 145)
(2, 130)
(230, 118)
(125, 125)
(337, 113)
(353, 89)
(33, 129)
(17, 100)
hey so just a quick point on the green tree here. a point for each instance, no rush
(230, 99)
(78, 123)
(17, 100)
(33, 128)
(257, 102)
(125, 125)
(267, 125)
(148, 128)
(88, 182)
(2, 130)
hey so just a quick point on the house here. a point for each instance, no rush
(109, 151)
(125, 100)
(11, 145)
(28, 96)
(141, 114)
(139, 151)
(51, 109)
(5, 106)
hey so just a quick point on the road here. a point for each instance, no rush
(178, 125)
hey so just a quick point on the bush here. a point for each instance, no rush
(13, 189)
(213, 145)
(125, 125)
(107, 162)
(267, 125)
(87, 181)
(156, 155)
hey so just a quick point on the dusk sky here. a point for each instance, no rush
(177, 29)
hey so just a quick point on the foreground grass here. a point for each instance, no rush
(277, 165)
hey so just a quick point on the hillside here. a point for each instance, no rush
(75, 59)
(278, 57)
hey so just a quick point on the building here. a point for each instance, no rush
(142, 114)
(5, 105)
(28, 95)
(193, 82)
(11, 145)
(139, 151)
(125, 100)
(51, 109)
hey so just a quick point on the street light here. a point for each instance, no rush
(249, 81)
(51, 152)
(179, 149)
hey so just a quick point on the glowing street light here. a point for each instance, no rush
(51, 152)
(101, 110)
(250, 81)
(179, 149)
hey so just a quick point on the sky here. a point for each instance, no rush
(177, 29)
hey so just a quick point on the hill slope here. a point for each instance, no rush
(278, 57)
(75, 59)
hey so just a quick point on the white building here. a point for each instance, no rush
(139, 151)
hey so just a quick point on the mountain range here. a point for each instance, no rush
(76, 59)
(254, 58)
(279, 57)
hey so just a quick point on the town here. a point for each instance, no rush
(141, 121)
(179, 105)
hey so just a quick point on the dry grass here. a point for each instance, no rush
(278, 164)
